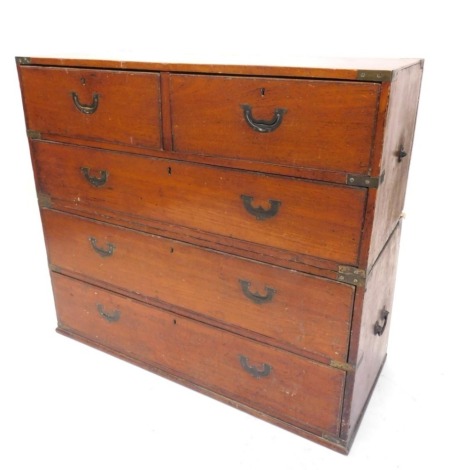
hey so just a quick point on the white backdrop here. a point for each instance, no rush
(66, 406)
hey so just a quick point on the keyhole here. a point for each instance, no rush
(262, 92)
(169, 170)
(174, 322)
(172, 250)
(83, 81)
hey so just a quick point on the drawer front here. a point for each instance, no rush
(316, 219)
(302, 123)
(300, 311)
(99, 105)
(276, 382)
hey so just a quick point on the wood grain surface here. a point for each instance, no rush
(304, 313)
(296, 390)
(326, 125)
(316, 219)
(127, 112)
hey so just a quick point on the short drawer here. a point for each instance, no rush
(294, 310)
(278, 383)
(316, 219)
(98, 105)
(316, 124)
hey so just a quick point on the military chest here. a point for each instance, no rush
(232, 228)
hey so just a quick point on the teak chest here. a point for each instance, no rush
(232, 228)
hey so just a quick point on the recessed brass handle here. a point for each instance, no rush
(261, 125)
(255, 296)
(101, 251)
(379, 327)
(253, 370)
(110, 317)
(85, 108)
(96, 181)
(259, 212)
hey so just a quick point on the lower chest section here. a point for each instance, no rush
(271, 381)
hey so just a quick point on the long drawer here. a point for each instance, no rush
(295, 310)
(303, 123)
(279, 383)
(98, 105)
(315, 219)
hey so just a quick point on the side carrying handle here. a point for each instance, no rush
(255, 296)
(85, 108)
(110, 317)
(253, 370)
(259, 212)
(379, 328)
(261, 125)
(101, 251)
(96, 181)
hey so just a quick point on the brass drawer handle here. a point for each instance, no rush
(94, 180)
(261, 125)
(259, 212)
(101, 251)
(85, 108)
(253, 370)
(379, 328)
(255, 296)
(110, 317)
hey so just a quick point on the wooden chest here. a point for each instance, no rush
(232, 228)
